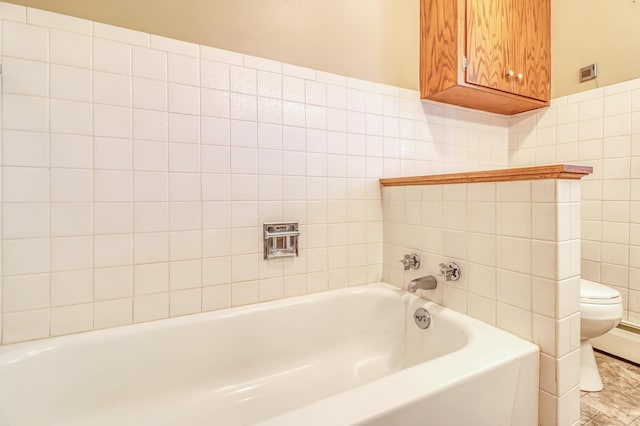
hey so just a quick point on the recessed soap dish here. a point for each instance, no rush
(280, 239)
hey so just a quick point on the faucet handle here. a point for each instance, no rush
(410, 261)
(450, 271)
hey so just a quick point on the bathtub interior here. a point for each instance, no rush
(243, 364)
(236, 358)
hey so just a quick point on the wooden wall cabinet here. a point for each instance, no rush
(492, 55)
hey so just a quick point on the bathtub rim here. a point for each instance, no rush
(48, 343)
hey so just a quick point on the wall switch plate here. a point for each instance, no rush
(588, 73)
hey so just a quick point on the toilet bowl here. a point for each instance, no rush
(600, 311)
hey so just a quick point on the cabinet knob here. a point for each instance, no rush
(520, 76)
(510, 73)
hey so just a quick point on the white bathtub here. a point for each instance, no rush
(351, 356)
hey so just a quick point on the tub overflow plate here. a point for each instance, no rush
(422, 318)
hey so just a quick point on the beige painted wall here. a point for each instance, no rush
(370, 39)
(606, 32)
(373, 40)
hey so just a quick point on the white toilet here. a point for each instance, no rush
(600, 311)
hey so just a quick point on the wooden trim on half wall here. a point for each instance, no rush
(555, 171)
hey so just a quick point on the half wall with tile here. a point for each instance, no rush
(518, 246)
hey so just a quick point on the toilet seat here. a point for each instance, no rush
(593, 293)
(601, 312)
(600, 308)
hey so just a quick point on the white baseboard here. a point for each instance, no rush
(622, 343)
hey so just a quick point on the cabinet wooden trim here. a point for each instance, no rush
(555, 171)
(484, 99)
(442, 38)
(488, 49)
(445, 41)
(533, 25)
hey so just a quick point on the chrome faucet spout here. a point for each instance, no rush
(428, 282)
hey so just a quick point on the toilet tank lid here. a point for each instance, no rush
(592, 292)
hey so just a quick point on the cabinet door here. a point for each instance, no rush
(489, 43)
(532, 41)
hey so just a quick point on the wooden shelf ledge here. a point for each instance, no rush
(555, 171)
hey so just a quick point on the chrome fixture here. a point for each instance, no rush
(410, 261)
(450, 271)
(422, 318)
(428, 282)
(280, 239)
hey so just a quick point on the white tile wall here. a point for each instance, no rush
(608, 138)
(137, 170)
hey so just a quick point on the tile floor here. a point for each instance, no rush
(618, 404)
